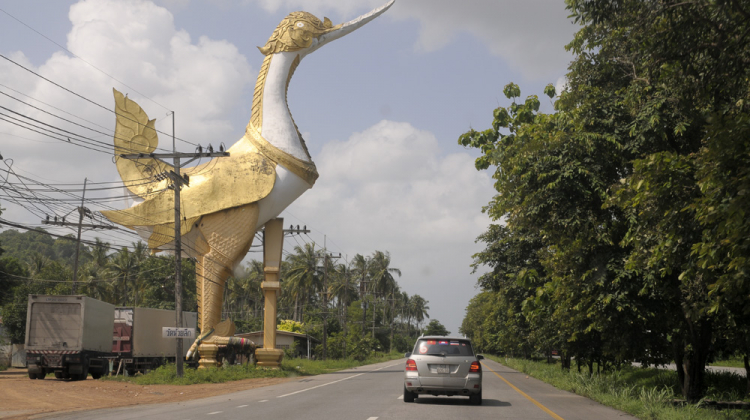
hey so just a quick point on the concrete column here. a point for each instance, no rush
(273, 241)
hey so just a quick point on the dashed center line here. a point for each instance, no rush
(400, 397)
(263, 401)
(329, 383)
(373, 418)
(215, 412)
(242, 406)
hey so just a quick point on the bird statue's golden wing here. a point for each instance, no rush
(135, 133)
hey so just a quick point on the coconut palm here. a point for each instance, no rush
(361, 270)
(418, 308)
(303, 278)
(123, 266)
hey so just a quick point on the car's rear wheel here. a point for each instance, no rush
(476, 399)
(408, 395)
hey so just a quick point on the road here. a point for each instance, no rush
(375, 392)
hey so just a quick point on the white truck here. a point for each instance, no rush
(138, 344)
(70, 336)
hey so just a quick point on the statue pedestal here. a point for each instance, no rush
(208, 355)
(269, 357)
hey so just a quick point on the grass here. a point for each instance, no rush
(167, 374)
(733, 362)
(644, 393)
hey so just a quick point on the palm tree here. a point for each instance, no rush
(93, 280)
(382, 273)
(303, 277)
(361, 269)
(384, 283)
(36, 263)
(123, 267)
(404, 303)
(418, 309)
(344, 291)
(253, 292)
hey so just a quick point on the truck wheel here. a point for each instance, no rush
(32, 375)
(59, 375)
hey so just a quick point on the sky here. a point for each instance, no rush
(380, 109)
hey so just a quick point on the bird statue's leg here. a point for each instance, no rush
(229, 234)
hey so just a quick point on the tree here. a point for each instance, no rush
(418, 309)
(304, 277)
(436, 328)
(634, 186)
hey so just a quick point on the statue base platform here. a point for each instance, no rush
(269, 357)
(208, 356)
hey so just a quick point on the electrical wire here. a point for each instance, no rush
(83, 97)
(76, 56)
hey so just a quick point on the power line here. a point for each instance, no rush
(74, 55)
(81, 96)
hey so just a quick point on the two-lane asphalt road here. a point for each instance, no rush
(375, 392)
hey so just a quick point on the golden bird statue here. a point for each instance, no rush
(228, 198)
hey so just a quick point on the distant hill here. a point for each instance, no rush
(24, 245)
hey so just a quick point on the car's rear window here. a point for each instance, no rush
(447, 347)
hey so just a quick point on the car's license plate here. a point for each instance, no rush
(443, 369)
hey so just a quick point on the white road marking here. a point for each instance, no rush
(318, 386)
(263, 401)
(400, 397)
(215, 412)
(242, 406)
(329, 383)
(373, 418)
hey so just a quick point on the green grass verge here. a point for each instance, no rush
(2, 368)
(643, 393)
(733, 362)
(167, 374)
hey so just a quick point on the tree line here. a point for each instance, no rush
(621, 232)
(351, 307)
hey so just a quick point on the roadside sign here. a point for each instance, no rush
(172, 332)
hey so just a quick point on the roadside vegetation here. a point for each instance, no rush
(645, 393)
(351, 309)
(167, 374)
(734, 362)
(620, 229)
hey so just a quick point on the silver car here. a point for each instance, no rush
(443, 366)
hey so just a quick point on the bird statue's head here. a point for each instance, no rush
(303, 32)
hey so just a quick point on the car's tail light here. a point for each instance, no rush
(475, 367)
(411, 364)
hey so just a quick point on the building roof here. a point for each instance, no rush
(278, 332)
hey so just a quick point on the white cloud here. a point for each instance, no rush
(391, 188)
(135, 42)
(530, 35)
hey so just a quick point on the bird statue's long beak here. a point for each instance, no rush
(349, 27)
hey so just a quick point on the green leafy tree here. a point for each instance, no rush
(436, 328)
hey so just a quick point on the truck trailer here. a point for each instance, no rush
(138, 344)
(68, 335)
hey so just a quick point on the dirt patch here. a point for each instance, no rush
(23, 398)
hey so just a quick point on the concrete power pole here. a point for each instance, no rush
(326, 256)
(178, 180)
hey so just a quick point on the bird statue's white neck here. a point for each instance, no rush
(270, 110)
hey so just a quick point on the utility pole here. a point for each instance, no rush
(178, 181)
(81, 211)
(326, 256)
(292, 230)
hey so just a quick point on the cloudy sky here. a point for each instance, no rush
(381, 110)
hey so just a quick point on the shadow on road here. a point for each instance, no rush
(459, 401)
